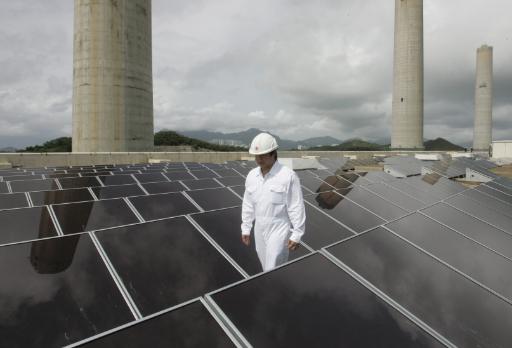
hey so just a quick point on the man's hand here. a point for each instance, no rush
(246, 239)
(293, 245)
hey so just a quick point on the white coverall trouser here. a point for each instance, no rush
(275, 202)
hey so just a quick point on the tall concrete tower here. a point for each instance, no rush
(407, 114)
(482, 136)
(112, 76)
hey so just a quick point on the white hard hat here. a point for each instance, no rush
(263, 143)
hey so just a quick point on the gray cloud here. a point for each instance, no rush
(298, 68)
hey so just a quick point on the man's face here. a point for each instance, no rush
(265, 161)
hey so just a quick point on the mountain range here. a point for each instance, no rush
(245, 138)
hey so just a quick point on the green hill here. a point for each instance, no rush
(438, 144)
(441, 144)
(62, 144)
(353, 145)
(162, 138)
(171, 138)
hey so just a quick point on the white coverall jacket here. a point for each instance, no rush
(275, 202)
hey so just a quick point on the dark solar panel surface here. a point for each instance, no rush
(169, 235)
(173, 257)
(187, 326)
(464, 311)
(117, 191)
(60, 196)
(13, 200)
(313, 300)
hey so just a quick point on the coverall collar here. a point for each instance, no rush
(275, 168)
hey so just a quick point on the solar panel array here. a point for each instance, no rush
(456, 167)
(150, 255)
(448, 167)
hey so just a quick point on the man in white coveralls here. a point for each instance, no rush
(273, 197)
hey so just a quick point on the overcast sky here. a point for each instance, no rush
(298, 68)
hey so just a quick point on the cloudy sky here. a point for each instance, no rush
(298, 68)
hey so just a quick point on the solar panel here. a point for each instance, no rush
(474, 260)
(376, 177)
(150, 177)
(232, 180)
(489, 201)
(181, 175)
(499, 187)
(3, 187)
(34, 185)
(473, 228)
(347, 212)
(397, 197)
(313, 303)
(384, 209)
(354, 179)
(60, 196)
(403, 166)
(225, 173)
(450, 303)
(315, 185)
(481, 211)
(163, 187)
(59, 291)
(436, 184)
(203, 174)
(161, 206)
(200, 184)
(173, 257)
(68, 183)
(240, 190)
(117, 179)
(216, 198)
(13, 200)
(421, 195)
(57, 176)
(179, 326)
(117, 191)
(502, 196)
(321, 230)
(504, 182)
(22, 177)
(25, 224)
(88, 216)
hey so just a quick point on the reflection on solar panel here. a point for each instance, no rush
(149, 254)
(402, 166)
(190, 325)
(314, 303)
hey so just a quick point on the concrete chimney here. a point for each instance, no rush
(407, 108)
(112, 76)
(482, 133)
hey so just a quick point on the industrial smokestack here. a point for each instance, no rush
(407, 114)
(112, 76)
(482, 135)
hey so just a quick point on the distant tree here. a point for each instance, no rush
(62, 144)
(171, 138)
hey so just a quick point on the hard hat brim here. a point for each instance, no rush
(252, 152)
